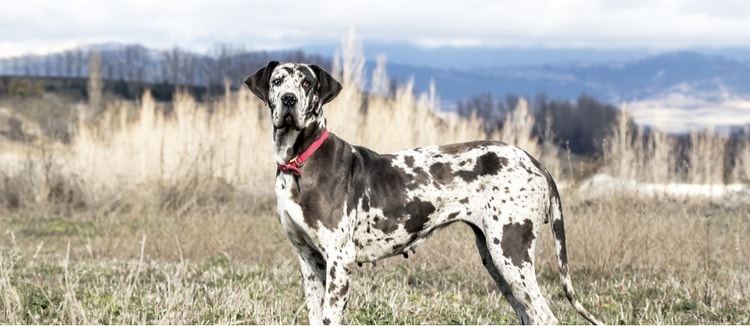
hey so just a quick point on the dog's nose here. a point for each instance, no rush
(289, 99)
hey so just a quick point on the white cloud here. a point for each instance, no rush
(29, 26)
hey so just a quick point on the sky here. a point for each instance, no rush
(39, 27)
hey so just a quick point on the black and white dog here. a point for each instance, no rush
(342, 204)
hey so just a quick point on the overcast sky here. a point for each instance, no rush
(29, 26)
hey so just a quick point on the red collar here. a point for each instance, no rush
(293, 165)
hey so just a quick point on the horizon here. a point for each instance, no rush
(447, 56)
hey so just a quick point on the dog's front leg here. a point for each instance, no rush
(339, 271)
(313, 267)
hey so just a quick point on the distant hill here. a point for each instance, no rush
(609, 75)
(135, 63)
(705, 76)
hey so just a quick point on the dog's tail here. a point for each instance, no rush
(558, 231)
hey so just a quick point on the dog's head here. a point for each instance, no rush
(294, 92)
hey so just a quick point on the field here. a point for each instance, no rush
(632, 262)
(164, 213)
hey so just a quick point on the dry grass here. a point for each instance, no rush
(654, 157)
(154, 217)
(667, 263)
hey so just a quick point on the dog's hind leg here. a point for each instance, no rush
(313, 267)
(518, 284)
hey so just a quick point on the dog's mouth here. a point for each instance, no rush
(288, 121)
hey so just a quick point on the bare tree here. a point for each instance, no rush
(59, 64)
(46, 62)
(129, 73)
(172, 63)
(95, 82)
(69, 61)
(80, 60)
(136, 63)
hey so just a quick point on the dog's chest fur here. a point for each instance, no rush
(384, 205)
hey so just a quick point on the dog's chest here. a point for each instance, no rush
(301, 219)
(289, 210)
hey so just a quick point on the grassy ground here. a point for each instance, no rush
(632, 262)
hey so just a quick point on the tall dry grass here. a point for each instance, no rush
(706, 157)
(632, 153)
(189, 155)
(176, 158)
(741, 171)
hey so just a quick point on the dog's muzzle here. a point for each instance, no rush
(288, 115)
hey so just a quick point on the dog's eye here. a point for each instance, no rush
(305, 84)
(276, 82)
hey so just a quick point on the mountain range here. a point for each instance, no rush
(705, 77)
(627, 77)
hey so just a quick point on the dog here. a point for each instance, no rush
(341, 204)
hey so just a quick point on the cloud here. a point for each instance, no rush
(198, 25)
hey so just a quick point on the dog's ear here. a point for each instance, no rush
(259, 82)
(328, 87)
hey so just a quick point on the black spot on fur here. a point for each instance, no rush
(516, 243)
(409, 160)
(441, 173)
(454, 149)
(334, 299)
(333, 274)
(419, 179)
(464, 201)
(487, 164)
(453, 215)
(559, 231)
(326, 321)
(387, 225)
(344, 289)
(418, 211)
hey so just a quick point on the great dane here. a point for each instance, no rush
(342, 204)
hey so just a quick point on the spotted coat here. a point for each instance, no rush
(351, 205)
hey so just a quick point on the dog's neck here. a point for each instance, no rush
(289, 142)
